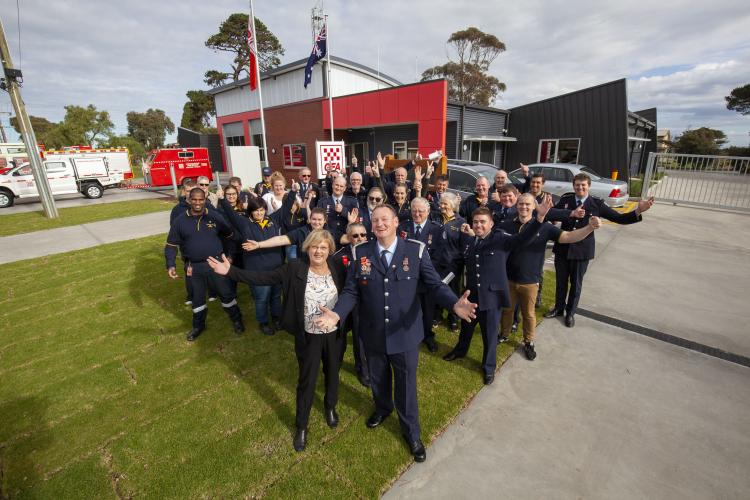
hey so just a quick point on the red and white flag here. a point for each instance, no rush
(251, 45)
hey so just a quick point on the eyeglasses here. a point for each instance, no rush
(231, 194)
(374, 199)
(304, 175)
(204, 185)
(359, 235)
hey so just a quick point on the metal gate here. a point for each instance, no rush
(699, 180)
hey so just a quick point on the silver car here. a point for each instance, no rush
(558, 180)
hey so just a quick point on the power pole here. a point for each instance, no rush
(12, 76)
(2, 129)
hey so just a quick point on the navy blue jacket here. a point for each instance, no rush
(199, 237)
(486, 261)
(526, 262)
(337, 222)
(263, 259)
(471, 203)
(449, 257)
(390, 316)
(584, 249)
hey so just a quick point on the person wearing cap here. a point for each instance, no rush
(264, 186)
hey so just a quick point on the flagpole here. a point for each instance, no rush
(260, 92)
(328, 80)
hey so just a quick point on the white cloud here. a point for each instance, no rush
(133, 55)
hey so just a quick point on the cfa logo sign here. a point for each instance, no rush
(330, 156)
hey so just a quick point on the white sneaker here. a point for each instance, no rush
(188, 302)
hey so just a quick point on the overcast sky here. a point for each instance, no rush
(681, 57)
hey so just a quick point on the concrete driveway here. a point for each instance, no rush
(605, 412)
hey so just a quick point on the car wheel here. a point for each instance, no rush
(6, 199)
(92, 191)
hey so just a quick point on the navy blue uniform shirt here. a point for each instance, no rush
(525, 263)
(198, 237)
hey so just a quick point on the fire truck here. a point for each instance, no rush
(186, 162)
(77, 170)
(12, 152)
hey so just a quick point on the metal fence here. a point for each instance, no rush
(699, 180)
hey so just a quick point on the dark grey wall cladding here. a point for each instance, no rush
(479, 122)
(453, 113)
(381, 138)
(451, 137)
(597, 115)
(651, 115)
(187, 138)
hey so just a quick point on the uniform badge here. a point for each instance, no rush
(429, 239)
(365, 266)
(403, 234)
(405, 264)
(210, 225)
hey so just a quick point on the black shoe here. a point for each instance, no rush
(332, 418)
(514, 328)
(239, 327)
(435, 322)
(194, 333)
(431, 344)
(300, 439)
(267, 330)
(489, 378)
(528, 349)
(375, 420)
(570, 320)
(417, 450)
(453, 326)
(452, 356)
(501, 339)
(363, 379)
(554, 312)
(277, 325)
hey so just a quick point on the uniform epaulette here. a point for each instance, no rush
(421, 246)
(567, 195)
(595, 197)
(354, 249)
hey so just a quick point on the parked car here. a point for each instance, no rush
(558, 180)
(463, 174)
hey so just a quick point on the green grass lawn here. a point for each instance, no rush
(28, 222)
(101, 396)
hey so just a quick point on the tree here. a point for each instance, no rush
(232, 37)
(739, 100)
(215, 78)
(468, 81)
(136, 149)
(197, 112)
(81, 126)
(40, 125)
(701, 141)
(150, 129)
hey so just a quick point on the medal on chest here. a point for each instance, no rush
(365, 266)
(429, 239)
(405, 264)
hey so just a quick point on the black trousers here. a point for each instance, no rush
(204, 279)
(489, 322)
(315, 348)
(393, 380)
(427, 301)
(569, 281)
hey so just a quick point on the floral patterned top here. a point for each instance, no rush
(319, 290)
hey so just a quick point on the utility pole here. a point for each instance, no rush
(2, 129)
(10, 83)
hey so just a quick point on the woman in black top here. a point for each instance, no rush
(307, 286)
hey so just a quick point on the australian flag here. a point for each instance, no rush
(318, 53)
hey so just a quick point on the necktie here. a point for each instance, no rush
(578, 203)
(384, 259)
(418, 232)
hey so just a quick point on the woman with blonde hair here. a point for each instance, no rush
(307, 286)
(275, 198)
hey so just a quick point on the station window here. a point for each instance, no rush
(405, 150)
(295, 155)
(559, 150)
(258, 141)
(236, 140)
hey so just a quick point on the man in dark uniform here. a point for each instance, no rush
(505, 206)
(571, 261)
(480, 198)
(356, 234)
(198, 235)
(422, 229)
(305, 184)
(264, 186)
(485, 257)
(382, 282)
(337, 207)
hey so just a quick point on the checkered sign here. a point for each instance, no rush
(330, 156)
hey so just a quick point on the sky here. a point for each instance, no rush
(678, 56)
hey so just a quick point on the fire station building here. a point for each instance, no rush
(375, 112)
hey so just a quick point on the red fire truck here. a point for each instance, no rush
(187, 162)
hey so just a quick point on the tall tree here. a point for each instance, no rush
(701, 141)
(86, 125)
(232, 38)
(739, 99)
(215, 78)
(468, 81)
(150, 129)
(197, 112)
(136, 149)
(40, 125)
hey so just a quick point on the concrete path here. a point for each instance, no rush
(65, 239)
(604, 412)
(78, 200)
